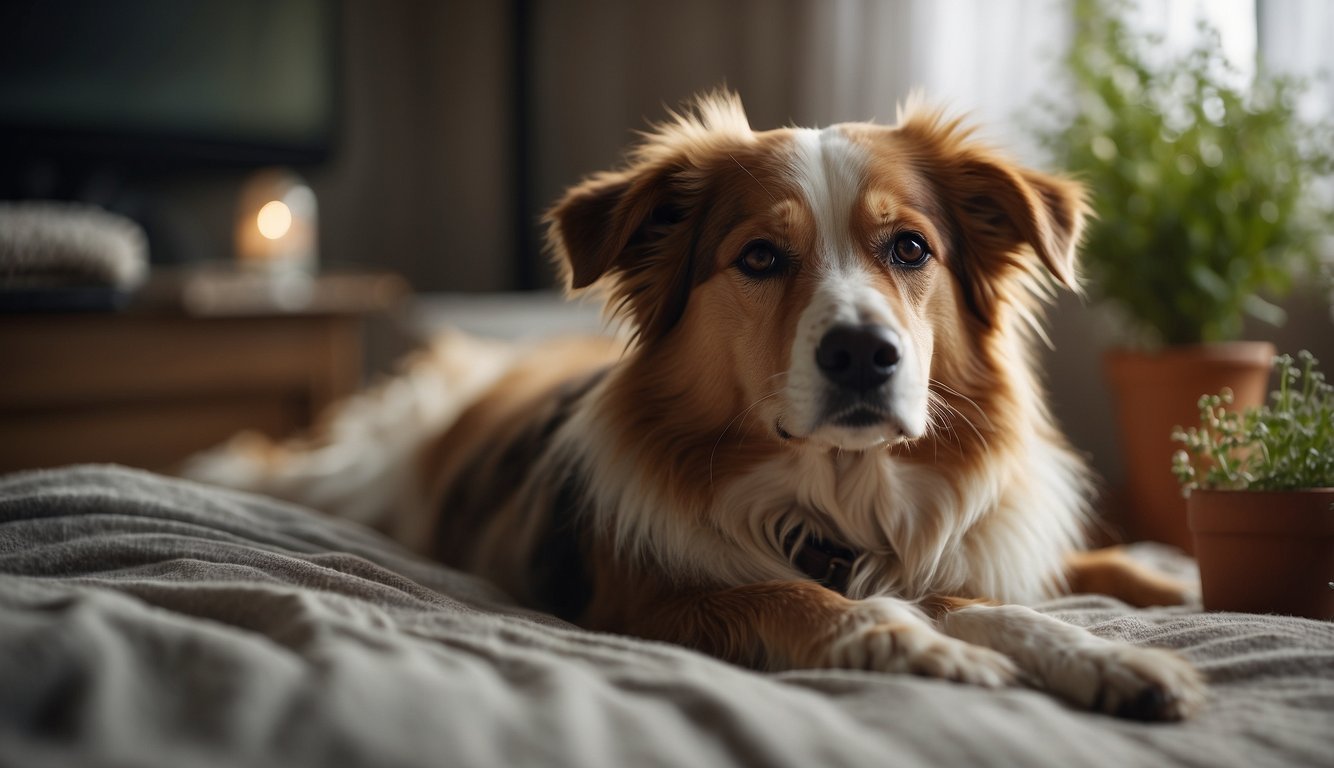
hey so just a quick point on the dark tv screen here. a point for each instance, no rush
(228, 80)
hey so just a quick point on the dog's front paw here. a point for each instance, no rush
(896, 641)
(1092, 672)
(1131, 682)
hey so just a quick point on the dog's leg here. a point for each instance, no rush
(1094, 673)
(786, 625)
(1112, 572)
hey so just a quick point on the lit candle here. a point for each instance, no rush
(276, 223)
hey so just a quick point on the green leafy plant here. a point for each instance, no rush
(1287, 444)
(1207, 192)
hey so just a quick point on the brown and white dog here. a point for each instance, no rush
(825, 444)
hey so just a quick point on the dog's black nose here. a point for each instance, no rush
(858, 357)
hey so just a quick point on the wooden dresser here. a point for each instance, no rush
(195, 358)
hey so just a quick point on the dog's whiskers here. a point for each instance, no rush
(772, 199)
(938, 421)
(735, 419)
(950, 390)
(933, 397)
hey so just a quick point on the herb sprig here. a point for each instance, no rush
(1286, 444)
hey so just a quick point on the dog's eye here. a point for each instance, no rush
(909, 250)
(761, 259)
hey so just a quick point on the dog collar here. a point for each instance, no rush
(825, 562)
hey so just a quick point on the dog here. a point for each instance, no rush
(822, 442)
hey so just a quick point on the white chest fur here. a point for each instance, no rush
(999, 530)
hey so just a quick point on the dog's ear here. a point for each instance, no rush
(1002, 207)
(1003, 215)
(1007, 216)
(633, 232)
(601, 218)
(621, 230)
(583, 229)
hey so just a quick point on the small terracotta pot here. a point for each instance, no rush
(1265, 551)
(1157, 391)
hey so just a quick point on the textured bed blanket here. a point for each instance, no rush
(153, 622)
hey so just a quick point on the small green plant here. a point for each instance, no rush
(1207, 188)
(1286, 444)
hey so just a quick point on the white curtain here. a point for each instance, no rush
(998, 59)
(1294, 38)
(990, 60)
(1176, 22)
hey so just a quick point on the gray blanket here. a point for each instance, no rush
(153, 622)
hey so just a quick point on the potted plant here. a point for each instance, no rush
(1260, 488)
(1206, 193)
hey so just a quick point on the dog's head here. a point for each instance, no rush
(823, 280)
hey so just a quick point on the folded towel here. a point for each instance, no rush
(59, 245)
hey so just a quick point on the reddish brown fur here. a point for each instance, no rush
(677, 389)
(1111, 571)
(698, 484)
(685, 387)
(769, 625)
(658, 236)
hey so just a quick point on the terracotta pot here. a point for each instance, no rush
(1157, 391)
(1266, 551)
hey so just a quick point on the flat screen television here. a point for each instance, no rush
(235, 82)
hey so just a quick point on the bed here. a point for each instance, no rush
(148, 621)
